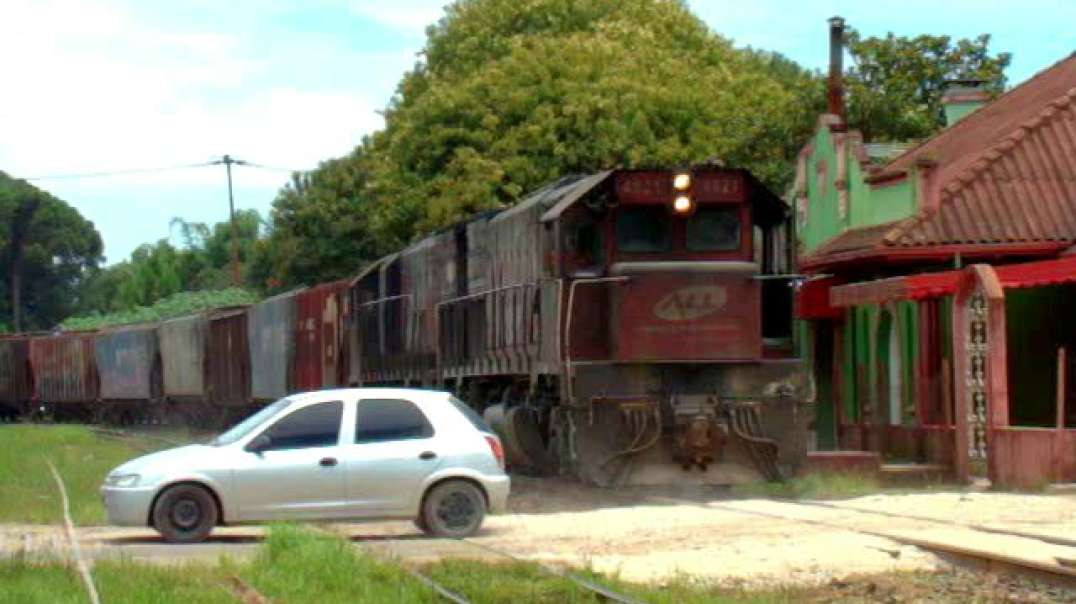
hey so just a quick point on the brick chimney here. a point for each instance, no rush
(961, 97)
(835, 86)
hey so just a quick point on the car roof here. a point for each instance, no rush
(417, 395)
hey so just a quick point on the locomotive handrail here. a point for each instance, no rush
(490, 291)
(570, 381)
(386, 299)
(483, 294)
(410, 306)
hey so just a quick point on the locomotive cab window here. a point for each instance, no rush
(714, 230)
(643, 229)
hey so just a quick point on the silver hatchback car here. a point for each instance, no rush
(359, 453)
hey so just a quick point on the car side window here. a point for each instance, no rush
(379, 420)
(314, 426)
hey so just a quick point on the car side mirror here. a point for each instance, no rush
(259, 444)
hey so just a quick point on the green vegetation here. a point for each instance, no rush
(300, 565)
(46, 250)
(157, 271)
(895, 84)
(123, 581)
(507, 96)
(837, 485)
(82, 458)
(175, 305)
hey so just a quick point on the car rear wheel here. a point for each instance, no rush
(185, 513)
(454, 508)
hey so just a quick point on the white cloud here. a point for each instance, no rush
(409, 16)
(94, 87)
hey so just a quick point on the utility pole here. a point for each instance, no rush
(227, 160)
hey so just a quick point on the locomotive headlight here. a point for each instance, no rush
(682, 181)
(683, 204)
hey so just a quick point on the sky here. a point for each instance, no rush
(114, 85)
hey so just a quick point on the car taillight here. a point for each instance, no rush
(496, 448)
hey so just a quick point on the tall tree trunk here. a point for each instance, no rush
(16, 290)
(20, 228)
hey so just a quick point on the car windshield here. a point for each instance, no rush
(246, 426)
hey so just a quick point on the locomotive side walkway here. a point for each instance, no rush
(749, 542)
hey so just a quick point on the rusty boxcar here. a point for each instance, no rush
(320, 315)
(64, 368)
(182, 345)
(14, 374)
(129, 363)
(631, 326)
(270, 333)
(227, 358)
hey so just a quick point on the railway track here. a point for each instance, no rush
(602, 592)
(1061, 572)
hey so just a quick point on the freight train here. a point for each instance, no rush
(626, 327)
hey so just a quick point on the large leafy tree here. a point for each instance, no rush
(895, 84)
(46, 251)
(510, 94)
(514, 93)
(321, 227)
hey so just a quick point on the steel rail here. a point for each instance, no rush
(601, 591)
(439, 589)
(1057, 574)
(1064, 541)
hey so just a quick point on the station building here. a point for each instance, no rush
(939, 315)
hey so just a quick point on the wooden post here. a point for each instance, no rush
(1061, 366)
(947, 392)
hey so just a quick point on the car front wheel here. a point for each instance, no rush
(454, 508)
(185, 513)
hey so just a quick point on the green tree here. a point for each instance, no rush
(47, 250)
(895, 84)
(514, 93)
(321, 227)
(160, 270)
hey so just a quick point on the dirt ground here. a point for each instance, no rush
(644, 536)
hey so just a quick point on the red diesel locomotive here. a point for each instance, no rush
(629, 327)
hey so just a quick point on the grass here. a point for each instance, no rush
(485, 583)
(122, 581)
(298, 565)
(844, 485)
(83, 459)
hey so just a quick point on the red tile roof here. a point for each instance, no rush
(1006, 176)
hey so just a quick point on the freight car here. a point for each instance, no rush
(629, 327)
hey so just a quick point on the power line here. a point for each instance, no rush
(118, 172)
(157, 169)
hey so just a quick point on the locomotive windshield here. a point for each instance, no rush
(714, 230)
(643, 229)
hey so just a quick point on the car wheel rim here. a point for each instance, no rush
(186, 513)
(456, 510)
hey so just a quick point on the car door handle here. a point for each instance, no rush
(327, 461)
(427, 455)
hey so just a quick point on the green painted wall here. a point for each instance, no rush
(822, 221)
(864, 355)
(867, 205)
